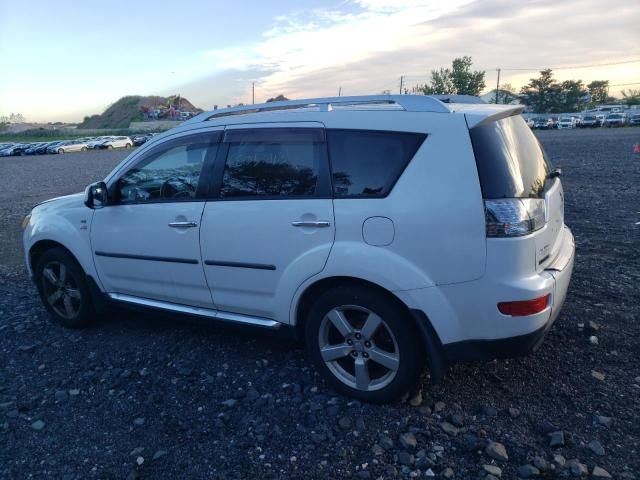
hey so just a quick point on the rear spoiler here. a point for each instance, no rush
(481, 114)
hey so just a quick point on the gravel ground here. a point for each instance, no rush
(144, 395)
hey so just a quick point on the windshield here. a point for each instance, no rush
(510, 160)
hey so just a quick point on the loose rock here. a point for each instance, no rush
(600, 473)
(408, 441)
(528, 471)
(38, 425)
(497, 451)
(596, 447)
(493, 470)
(556, 439)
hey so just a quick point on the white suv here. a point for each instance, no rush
(116, 142)
(390, 231)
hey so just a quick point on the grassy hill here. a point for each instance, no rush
(130, 109)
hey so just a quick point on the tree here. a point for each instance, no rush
(573, 96)
(506, 94)
(279, 98)
(457, 80)
(599, 91)
(631, 96)
(16, 118)
(541, 93)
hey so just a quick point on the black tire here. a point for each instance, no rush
(84, 149)
(83, 307)
(127, 146)
(410, 350)
(60, 151)
(110, 147)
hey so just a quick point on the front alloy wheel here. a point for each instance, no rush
(63, 288)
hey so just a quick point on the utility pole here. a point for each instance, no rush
(498, 86)
(253, 93)
(401, 83)
(340, 91)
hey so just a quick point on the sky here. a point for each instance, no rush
(61, 60)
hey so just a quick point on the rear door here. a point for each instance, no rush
(270, 223)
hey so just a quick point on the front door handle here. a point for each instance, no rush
(309, 223)
(183, 224)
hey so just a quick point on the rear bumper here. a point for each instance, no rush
(517, 346)
(468, 324)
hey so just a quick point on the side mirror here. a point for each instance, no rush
(95, 196)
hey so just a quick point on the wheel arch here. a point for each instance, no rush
(41, 246)
(434, 353)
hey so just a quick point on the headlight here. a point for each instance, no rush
(25, 221)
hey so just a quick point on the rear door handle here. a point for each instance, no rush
(308, 223)
(183, 224)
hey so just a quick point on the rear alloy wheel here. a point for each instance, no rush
(84, 149)
(60, 150)
(63, 288)
(127, 146)
(364, 344)
(110, 147)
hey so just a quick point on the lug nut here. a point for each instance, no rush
(358, 336)
(354, 354)
(365, 354)
(349, 341)
(367, 344)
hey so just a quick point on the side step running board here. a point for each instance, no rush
(201, 312)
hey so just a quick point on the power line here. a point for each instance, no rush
(624, 84)
(574, 67)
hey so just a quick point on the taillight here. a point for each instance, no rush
(514, 217)
(522, 308)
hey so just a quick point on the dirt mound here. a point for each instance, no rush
(136, 108)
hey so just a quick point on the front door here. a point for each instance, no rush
(271, 225)
(146, 241)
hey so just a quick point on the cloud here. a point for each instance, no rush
(365, 45)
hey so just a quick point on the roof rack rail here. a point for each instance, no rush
(409, 103)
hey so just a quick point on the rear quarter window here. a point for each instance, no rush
(510, 160)
(367, 163)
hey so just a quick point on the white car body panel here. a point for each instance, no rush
(260, 232)
(65, 220)
(143, 229)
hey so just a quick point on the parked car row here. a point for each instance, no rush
(65, 146)
(586, 121)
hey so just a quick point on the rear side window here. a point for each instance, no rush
(367, 163)
(273, 162)
(510, 160)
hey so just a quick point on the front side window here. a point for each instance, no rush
(367, 163)
(272, 162)
(170, 172)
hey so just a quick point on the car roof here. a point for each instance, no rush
(476, 111)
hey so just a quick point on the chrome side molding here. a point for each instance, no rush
(199, 311)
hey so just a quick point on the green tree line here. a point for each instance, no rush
(543, 94)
